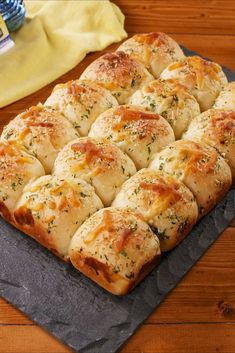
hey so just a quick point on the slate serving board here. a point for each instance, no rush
(79, 312)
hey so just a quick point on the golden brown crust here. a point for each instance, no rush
(5, 213)
(26, 223)
(101, 274)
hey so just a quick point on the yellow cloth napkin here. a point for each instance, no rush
(56, 37)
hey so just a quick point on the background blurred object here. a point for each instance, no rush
(13, 13)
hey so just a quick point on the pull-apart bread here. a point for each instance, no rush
(118, 73)
(200, 167)
(135, 130)
(91, 137)
(17, 168)
(42, 131)
(171, 100)
(81, 102)
(51, 209)
(98, 162)
(216, 127)
(115, 248)
(154, 50)
(203, 78)
(226, 98)
(166, 204)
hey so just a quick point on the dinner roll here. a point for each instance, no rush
(51, 209)
(204, 79)
(155, 50)
(81, 102)
(98, 162)
(199, 167)
(216, 127)
(171, 100)
(42, 131)
(226, 98)
(17, 169)
(118, 73)
(135, 130)
(166, 204)
(115, 248)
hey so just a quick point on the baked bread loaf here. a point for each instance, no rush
(200, 167)
(154, 50)
(115, 248)
(42, 131)
(226, 98)
(98, 162)
(17, 169)
(118, 73)
(51, 209)
(131, 120)
(135, 130)
(204, 79)
(166, 204)
(216, 127)
(81, 102)
(170, 99)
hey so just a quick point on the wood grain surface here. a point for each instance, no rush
(199, 315)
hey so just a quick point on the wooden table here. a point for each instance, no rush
(199, 315)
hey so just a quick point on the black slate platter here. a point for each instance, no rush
(76, 310)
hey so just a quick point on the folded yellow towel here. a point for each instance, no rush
(56, 37)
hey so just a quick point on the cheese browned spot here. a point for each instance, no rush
(132, 115)
(199, 67)
(163, 189)
(91, 151)
(76, 90)
(105, 225)
(32, 112)
(123, 239)
(150, 38)
(199, 160)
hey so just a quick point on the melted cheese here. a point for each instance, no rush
(156, 38)
(105, 225)
(127, 114)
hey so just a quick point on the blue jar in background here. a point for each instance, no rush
(13, 13)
